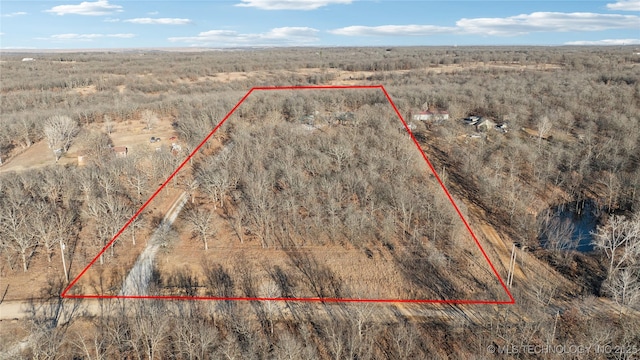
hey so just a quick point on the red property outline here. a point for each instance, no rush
(332, 300)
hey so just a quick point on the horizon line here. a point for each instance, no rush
(232, 48)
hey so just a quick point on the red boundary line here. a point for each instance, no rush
(324, 300)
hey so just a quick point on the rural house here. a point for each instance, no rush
(432, 115)
(120, 151)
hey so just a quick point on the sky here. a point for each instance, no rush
(105, 24)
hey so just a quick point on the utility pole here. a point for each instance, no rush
(555, 324)
(512, 265)
(64, 265)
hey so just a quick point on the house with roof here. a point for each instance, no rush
(431, 115)
(120, 151)
(484, 124)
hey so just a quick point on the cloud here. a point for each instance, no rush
(85, 37)
(547, 22)
(97, 8)
(277, 36)
(507, 26)
(625, 5)
(159, 21)
(393, 30)
(153, 13)
(18, 48)
(14, 14)
(290, 4)
(606, 42)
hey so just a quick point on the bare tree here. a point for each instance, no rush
(135, 225)
(60, 131)
(90, 344)
(149, 118)
(195, 338)
(191, 187)
(259, 207)
(544, 127)
(18, 234)
(340, 153)
(215, 182)
(53, 227)
(404, 203)
(106, 179)
(201, 223)
(108, 124)
(270, 290)
(557, 232)
(624, 286)
(138, 181)
(25, 131)
(289, 347)
(611, 183)
(404, 341)
(151, 326)
(620, 241)
(112, 213)
(45, 228)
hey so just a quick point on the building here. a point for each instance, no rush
(485, 124)
(175, 148)
(120, 151)
(472, 120)
(28, 59)
(432, 115)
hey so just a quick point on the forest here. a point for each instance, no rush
(322, 194)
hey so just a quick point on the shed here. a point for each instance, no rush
(485, 124)
(120, 151)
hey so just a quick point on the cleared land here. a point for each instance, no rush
(133, 134)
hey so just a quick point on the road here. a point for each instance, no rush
(137, 281)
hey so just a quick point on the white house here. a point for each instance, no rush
(431, 115)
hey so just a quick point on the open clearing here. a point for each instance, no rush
(133, 134)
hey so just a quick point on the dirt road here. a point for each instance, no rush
(137, 281)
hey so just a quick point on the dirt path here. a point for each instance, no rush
(502, 250)
(11, 310)
(137, 281)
